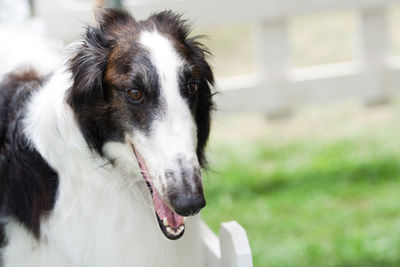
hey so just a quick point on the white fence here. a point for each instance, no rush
(276, 86)
(230, 249)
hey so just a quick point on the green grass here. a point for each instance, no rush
(311, 202)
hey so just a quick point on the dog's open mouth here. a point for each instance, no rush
(171, 224)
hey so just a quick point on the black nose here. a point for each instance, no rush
(185, 189)
(188, 204)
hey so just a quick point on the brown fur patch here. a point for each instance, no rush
(25, 75)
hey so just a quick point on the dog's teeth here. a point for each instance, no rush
(165, 221)
(184, 219)
(174, 232)
(170, 231)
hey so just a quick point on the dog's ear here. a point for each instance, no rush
(205, 104)
(109, 16)
(171, 23)
(88, 67)
(89, 64)
(115, 22)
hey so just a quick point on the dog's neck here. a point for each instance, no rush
(51, 127)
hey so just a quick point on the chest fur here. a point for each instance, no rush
(101, 224)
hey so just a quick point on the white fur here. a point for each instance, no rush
(173, 133)
(104, 215)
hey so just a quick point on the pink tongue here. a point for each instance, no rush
(163, 211)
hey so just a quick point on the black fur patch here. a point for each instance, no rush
(3, 239)
(28, 185)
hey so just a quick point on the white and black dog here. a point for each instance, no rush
(96, 157)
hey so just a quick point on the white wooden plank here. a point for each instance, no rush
(235, 247)
(235, 11)
(272, 49)
(374, 51)
(272, 57)
(374, 36)
(212, 253)
(65, 17)
(316, 85)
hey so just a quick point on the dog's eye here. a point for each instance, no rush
(135, 95)
(192, 88)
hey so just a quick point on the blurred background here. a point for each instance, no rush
(305, 146)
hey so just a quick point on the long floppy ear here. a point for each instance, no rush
(205, 104)
(88, 66)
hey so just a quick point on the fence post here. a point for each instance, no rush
(272, 58)
(211, 246)
(374, 52)
(235, 248)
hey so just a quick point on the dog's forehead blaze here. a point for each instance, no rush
(126, 47)
(162, 52)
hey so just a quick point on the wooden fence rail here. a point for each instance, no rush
(276, 86)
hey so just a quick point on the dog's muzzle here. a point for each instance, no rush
(182, 197)
(185, 190)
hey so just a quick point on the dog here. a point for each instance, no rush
(101, 160)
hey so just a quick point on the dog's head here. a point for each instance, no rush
(141, 95)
